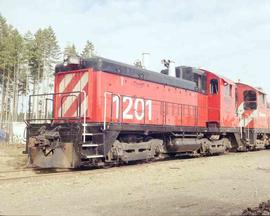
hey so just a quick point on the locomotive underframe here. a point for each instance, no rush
(61, 144)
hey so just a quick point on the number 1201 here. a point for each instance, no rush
(135, 108)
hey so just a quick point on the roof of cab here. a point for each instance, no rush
(225, 79)
(255, 88)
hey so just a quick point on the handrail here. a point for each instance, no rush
(60, 118)
(46, 106)
(105, 110)
(84, 116)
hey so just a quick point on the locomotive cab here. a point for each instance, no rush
(252, 112)
(221, 102)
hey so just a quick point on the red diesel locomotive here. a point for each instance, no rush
(106, 112)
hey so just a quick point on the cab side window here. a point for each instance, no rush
(250, 100)
(214, 86)
(228, 90)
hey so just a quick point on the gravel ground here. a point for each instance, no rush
(220, 185)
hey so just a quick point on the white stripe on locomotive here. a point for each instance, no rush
(81, 83)
(65, 81)
(244, 121)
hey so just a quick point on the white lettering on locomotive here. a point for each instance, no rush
(126, 114)
(135, 108)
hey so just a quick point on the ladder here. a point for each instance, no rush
(90, 149)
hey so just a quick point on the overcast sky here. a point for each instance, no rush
(230, 37)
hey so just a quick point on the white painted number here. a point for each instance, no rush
(139, 108)
(139, 115)
(116, 100)
(128, 108)
(148, 103)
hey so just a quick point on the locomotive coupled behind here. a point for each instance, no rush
(107, 112)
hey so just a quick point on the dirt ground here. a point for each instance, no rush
(220, 185)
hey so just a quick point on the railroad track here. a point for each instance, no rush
(34, 173)
(26, 173)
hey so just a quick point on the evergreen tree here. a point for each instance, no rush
(11, 58)
(70, 50)
(27, 63)
(52, 49)
(3, 38)
(88, 50)
(42, 53)
(21, 58)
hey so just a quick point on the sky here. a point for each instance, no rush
(229, 37)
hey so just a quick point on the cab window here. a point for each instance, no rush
(214, 86)
(250, 100)
(228, 90)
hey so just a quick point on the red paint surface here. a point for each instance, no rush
(169, 105)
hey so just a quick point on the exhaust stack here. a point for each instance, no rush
(145, 60)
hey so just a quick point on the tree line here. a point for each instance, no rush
(27, 65)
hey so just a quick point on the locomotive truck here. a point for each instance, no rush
(106, 112)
